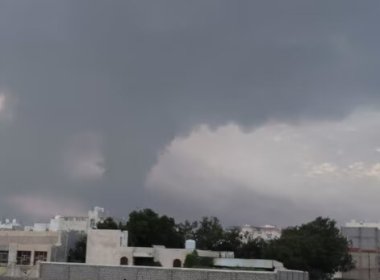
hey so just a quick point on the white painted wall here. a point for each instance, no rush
(107, 247)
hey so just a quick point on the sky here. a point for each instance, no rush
(257, 112)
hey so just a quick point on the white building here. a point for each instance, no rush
(364, 242)
(266, 232)
(21, 250)
(362, 224)
(110, 247)
(9, 225)
(70, 223)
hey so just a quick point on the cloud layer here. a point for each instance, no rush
(84, 159)
(92, 91)
(319, 167)
(42, 207)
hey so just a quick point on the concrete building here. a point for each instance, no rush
(70, 223)
(365, 250)
(21, 250)
(266, 232)
(110, 247)
(8, 224)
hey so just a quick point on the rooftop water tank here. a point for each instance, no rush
(190, 244)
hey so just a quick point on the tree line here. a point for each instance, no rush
(317, 247)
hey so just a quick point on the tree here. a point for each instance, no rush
(209, 233)
(253, 249)
(317, 247)
(230, 240)
(187, 229)
(147, 228)
(78, 253)
(108, 223)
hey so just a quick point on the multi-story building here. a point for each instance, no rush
(365, 250)
(21, 250)
(266, 232)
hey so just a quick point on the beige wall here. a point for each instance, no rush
(105, 247)
(61, 271)
(13, 241)
(29, 237)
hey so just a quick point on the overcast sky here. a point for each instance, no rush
(254, 111)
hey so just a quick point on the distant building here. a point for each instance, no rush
(267, 232)
(70, 223)
(9, 225)
(110, 247)
(364, 238)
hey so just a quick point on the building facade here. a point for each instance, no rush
(8, 224)
(110, 247)
(70, 223)
(20, 251)
(365, 250)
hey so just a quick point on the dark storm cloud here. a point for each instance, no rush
(129, 76)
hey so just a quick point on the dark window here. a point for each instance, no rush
(124, 261)
(23, 257)
(4, 257)
(143, 261)
(40, 256)
(177, 263)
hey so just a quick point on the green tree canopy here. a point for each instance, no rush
(187, 229)
(253, 249)
(147, 228)
(230, 240)
(108, 223)
(209, 233)
(317, 247)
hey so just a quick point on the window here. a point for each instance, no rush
(40, 256)
(124, 261)
(23, 257)
(4, 257)
(177, 263)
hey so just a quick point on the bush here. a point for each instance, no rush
(191, 260)
(194, 261)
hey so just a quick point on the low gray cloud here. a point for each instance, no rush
(94, 91)
(83, 159)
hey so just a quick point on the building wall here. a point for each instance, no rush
(69, 224)
(103, 247)
(365, 251)
(52, 243)
(61, 271)
(107, 247)
(367, 267)
(248, 263)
